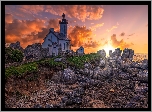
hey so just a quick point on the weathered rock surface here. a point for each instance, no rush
(114, 83)
(16, 46)
(68, 76)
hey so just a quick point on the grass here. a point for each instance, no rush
(79, 61)
(76, 61)
(20, 70)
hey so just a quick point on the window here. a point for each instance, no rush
(64, 30)
(49, 45)
(64, 45)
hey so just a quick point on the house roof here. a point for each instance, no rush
(79, 48)
(60, 36)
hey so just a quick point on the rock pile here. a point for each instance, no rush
(33, 51)
(36, 51)
(102, 53)
(68, 76)
(16, 46)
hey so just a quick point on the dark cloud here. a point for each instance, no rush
(122, 34)
(131, 34)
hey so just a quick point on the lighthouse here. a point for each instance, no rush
(63, 26)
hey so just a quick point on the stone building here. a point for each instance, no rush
(57, 41)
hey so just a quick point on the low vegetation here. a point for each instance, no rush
(75, 61)
(79, 61)
(21, 70)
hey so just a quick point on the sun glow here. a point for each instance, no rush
(108, 47)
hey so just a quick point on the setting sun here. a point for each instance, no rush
(108, 47)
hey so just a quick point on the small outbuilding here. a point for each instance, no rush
(80, 50)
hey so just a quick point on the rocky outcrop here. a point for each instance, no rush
(127, 53)
(16, 46)
(36, 51)
(113, 83)
(33, 51)
(102, 53)
(68, 76)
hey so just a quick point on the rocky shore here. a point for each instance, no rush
(112, 82)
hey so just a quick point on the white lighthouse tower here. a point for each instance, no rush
(63, 26)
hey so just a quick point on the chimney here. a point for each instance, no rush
(52, 29)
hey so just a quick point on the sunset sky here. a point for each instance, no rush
(90, 26)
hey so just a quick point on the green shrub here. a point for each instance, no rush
(21, 70)
(79, 61)
(13, 55)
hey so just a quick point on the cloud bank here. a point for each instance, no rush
(121, 44)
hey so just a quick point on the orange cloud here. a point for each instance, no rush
(96, 26)
(113, 27)
(92, 44)
(78, 35)
(54, 23)
(23, 30)
(81, 12)
(23, 27)
(8, 18)
(121, 44)
(29, 32)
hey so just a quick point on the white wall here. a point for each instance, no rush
(47, 42)
(54, 39)
(62, 42)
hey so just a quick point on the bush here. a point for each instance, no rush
(13, 55)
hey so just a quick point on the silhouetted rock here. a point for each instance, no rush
(16, 46)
